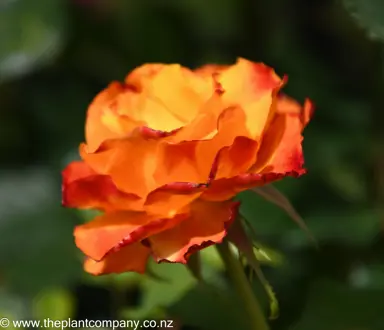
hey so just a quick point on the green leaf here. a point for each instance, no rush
(267, 255)
(274, 196)
(211, 257)
(239, 237)
(369, 14)
(157, 295)
(328, 223)
(31, 33)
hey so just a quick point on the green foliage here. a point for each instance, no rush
(274, 196)
(369, 14)
(30, 33)
(55, 304)
(320, 312)
(159, 294)
(207, 307)
(33, 259)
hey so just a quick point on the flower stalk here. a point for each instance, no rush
(256, 318)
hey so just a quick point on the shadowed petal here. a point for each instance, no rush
(113, 231)
(142, 75)
(132, 258)
(281, 149)
(237, 158)
(130, 162)
(280, 155)
(170, 198)
(103, 118)
(182, 91)
(253, 86)
(192, 161)
(84, 188)
(206, 225)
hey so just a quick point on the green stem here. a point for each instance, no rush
(235, 270)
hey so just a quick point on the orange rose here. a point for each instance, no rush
(168, 149)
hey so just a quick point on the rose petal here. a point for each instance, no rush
(130, 162)
(83, 188)
(206, 225)
(111, 232)
(287, 105)
(147, 109)
(225, 189)
(141, 76)
(132, 258)
(208, 70)
(176, 87)
(280, 155)
(237, 158)
(170, 198)
(205, 123)
(281, 150)
(253, 86)
(103, 121)
(192, 161)
(120, 109)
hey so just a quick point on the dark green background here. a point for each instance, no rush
(55, 55)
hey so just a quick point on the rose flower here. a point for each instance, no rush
(167, 150)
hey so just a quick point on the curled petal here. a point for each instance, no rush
(142, 75)
(205, 123)
(150, 133)
(255, 76)
(192, 161)
(103, 120)
(253, 86)
(132, 258)
(139, 165)
(281, 149)
(208, 70)
(170, 198)
(95, 131)
(207, 224)
(237, 158)
(111, 232)
(130, 162)
(287, 105)
(84, 188)
(225, 189)
(172, 85)
(280, 155)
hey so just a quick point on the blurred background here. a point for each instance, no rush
(56, 55)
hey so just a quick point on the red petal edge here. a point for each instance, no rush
(234, 211)
(139, 234)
